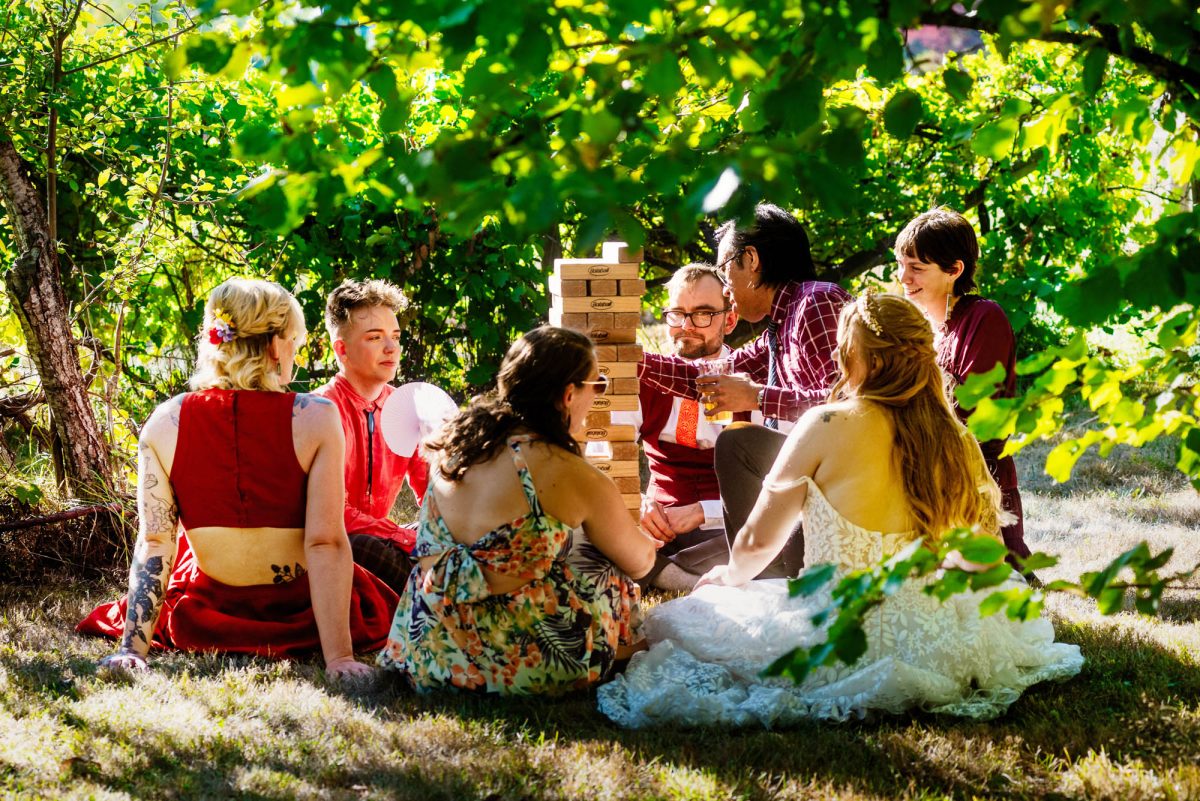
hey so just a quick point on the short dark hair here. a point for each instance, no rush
(780, 240)
(352, 295)
(942, 236)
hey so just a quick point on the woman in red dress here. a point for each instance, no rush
(241, 546)
(936, 254)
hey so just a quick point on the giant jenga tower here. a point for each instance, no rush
(603, 299)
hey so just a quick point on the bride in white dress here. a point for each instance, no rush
(883, 465)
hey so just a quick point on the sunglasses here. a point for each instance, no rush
(601, 384)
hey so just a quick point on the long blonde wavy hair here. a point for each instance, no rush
(258, 311)
(945, 478)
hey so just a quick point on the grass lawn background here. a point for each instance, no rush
(203, 726)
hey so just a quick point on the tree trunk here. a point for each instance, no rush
(35, 285)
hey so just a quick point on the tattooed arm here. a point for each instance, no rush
(326, 548)
(154, 552)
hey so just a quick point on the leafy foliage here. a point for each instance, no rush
(857, 593)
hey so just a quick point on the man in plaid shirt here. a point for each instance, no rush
(769, 273)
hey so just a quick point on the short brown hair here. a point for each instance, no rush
(353, 295)
(942, 236)
(691, 274)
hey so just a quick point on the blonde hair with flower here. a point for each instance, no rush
(241, 318)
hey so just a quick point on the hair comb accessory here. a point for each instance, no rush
(222, 330)
(864, 311)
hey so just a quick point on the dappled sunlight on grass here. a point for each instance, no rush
(213, 726)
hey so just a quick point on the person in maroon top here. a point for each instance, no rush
(682, 503)
(363, 327)
(253, 475)
(769, 274)
(936, 256)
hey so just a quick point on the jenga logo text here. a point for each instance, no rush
(601, 403)
(597, 433)
(603, 467)
(598, 336)
(603, 369)
(601, 303)
(599, 270)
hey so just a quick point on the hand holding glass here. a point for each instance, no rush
(715, 367)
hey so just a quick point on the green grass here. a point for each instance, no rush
(202, 726)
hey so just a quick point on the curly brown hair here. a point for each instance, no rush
(533, 376)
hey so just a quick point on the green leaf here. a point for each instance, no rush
(991, 577)
(1093, 69)
(958, 84)
(993, 604)
(983, 550)
(902, 113)
(850, 644)
(995, 140)
(810, 580)
(978, 386)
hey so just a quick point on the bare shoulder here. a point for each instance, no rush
(316, 414)
(313, 409)
(832, 414)
(164, 420)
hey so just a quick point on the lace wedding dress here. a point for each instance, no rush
(709, 648)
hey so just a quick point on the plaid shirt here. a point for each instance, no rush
(807, 314)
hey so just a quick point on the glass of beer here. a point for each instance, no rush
(709, 367)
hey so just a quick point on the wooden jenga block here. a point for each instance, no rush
(600, 321)
(586, 269)
(630, 286)
(614, 469)
(615, 403)
(633, 501)
(568, 288)
(616, 369)
(606, 353)
(610, 433)
(603, 286)
(627, 485)
(625, 451)
(629, 353)
(596, 304)
(576, 321)
(623, 386)
(594, 419)
(621, 252)
(626, 335)
(627, 320)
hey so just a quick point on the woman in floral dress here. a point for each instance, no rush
(526, 555)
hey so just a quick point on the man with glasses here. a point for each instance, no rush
(682, 504)
(769, 274)
(361, 319)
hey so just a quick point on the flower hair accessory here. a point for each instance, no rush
(223, 330)
(864, 311)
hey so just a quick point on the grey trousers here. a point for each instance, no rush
(744, 455)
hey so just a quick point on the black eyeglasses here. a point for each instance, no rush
(601, 384)
(723, 267)
(700, 319)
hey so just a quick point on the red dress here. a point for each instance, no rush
(235, 466)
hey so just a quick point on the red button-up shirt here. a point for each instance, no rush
(807, 314)
(371, 493)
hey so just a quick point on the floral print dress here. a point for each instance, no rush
(558, 631)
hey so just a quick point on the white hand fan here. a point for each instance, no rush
(413, 412)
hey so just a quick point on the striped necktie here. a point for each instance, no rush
(772, 366)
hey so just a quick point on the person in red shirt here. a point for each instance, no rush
(361, 319)
(682, 503)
